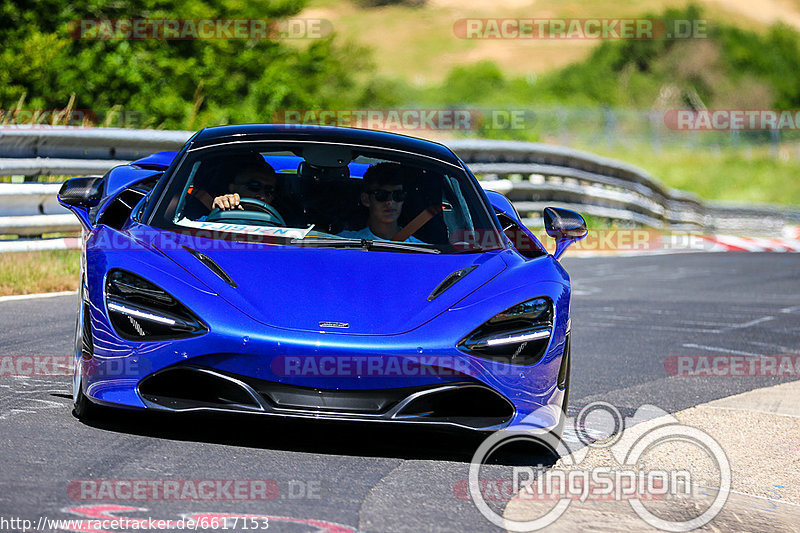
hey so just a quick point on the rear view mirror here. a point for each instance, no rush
(564, 226)
(328, 155)
(81, 192)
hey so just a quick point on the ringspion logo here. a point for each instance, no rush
(631, 477)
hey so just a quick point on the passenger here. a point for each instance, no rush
(383, 196)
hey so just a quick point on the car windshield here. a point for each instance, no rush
(327, 195)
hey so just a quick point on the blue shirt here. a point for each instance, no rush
(366, 233)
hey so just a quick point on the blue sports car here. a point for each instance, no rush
(318, 272)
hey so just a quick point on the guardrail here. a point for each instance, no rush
(532, 175)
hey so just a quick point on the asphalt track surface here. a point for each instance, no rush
(629, 315)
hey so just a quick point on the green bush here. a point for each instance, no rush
(731, 68)
(383, 3)
(170, 83)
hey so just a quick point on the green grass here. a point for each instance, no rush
(40, 179)
(34, 272)
(727, 174)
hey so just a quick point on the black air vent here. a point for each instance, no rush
(214, 267)
(450, 280)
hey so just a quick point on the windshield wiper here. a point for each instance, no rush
(322, 242)
(365, 244)
(475, 250)
(410, 246)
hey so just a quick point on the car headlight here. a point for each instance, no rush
(140, 310)
(519, 335)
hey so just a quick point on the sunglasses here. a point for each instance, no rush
(257, 186)
(382, 195)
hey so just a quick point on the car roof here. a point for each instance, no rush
(275, 132)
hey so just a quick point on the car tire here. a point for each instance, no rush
(82, 407)
(559, 429)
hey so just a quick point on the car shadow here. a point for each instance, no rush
(401, 441)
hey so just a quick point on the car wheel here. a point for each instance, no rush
(559, 429)
(83, 408)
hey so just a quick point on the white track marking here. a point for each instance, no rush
(751, 410)
(751, 323)
(718, 349)
(17, 297)
(778, 346)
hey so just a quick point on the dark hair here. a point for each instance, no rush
(254, 166)
(383, 174)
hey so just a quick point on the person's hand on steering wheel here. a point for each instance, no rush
(228, 201)
(257, 211)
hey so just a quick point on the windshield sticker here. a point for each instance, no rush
(267, 231)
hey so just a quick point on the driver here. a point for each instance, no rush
(250, 181)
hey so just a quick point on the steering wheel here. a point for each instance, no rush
(254, 211)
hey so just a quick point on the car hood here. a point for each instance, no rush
(355, 292)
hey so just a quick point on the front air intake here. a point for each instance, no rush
(187, 388)
(467, 405)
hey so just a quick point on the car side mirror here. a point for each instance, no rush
(564, 226)
(82, 192)
(520, 236)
